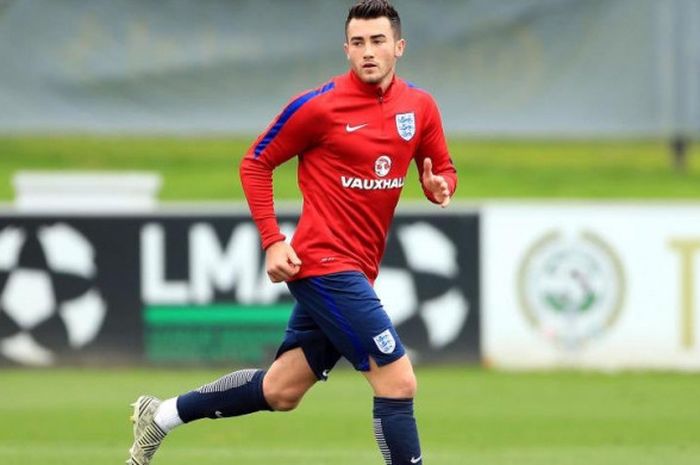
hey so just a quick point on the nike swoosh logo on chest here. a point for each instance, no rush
(349, 128)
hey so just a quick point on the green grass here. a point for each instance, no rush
(206, 168)
(466, 416)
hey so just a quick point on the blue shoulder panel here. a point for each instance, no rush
(287, 113)
(413, 86)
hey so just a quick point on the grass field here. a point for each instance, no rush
(467, 416)
(206, 168)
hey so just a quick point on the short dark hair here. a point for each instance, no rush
(371, 9)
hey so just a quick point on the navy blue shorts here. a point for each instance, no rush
(340, 315)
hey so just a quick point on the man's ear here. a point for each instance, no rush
(400, 47)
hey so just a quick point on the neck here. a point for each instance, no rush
(386, 82)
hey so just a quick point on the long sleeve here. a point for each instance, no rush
(256, 178)
(434, 146)
(294, 130)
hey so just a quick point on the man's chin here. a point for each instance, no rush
(370, 78)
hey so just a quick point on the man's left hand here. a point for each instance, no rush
(436, 184)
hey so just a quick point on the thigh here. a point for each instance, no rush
(303, 333)
(348, 311)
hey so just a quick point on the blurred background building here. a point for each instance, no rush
(581, 68)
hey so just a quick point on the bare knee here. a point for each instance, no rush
(287, 381)
(404, 387)
(284, 399)
(395, 380)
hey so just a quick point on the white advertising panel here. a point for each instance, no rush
(606, 286)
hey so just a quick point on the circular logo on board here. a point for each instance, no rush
(571, 288)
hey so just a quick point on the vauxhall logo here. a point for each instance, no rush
(382, 167)
(371, 184)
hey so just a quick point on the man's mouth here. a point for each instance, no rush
(369, 66)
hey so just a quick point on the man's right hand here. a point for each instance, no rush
(281, 262)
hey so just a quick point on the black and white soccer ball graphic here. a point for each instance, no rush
(418, 286)
(49, 304)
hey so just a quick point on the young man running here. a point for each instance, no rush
(355, 138)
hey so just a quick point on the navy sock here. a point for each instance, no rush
(396, 432)
(235, 394)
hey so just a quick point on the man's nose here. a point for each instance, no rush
(369, 52)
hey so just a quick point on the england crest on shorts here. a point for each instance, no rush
(406, 125)
(385, 342)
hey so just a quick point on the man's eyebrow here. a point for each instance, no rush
(376, 36)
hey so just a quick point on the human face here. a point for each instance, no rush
(372, 50)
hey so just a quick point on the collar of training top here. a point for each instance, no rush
(373, 89)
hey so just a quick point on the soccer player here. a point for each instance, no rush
(355, 138)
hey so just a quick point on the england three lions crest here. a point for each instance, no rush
(406, 125)
(385, 342)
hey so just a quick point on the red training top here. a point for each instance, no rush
(355, 145)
